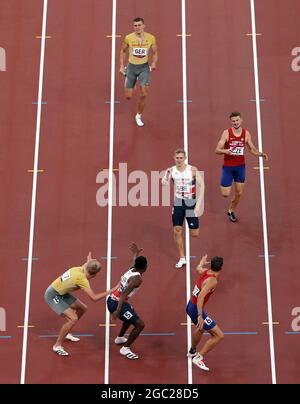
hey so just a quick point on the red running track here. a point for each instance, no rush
(74, 147)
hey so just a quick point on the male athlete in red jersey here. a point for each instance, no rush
(119, 307)
(205, 286)
(232, 144)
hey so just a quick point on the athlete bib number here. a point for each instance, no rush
(237, 151)
(196, 291)
(140, 52)
(185, 189)
(65, 276)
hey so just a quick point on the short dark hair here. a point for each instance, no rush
(138, 19)
(93, 267)
(140, 263)
(216, 263)
(234, 114)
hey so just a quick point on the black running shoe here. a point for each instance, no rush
(232, 217)
(192, 352)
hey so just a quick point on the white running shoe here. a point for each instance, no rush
(120, 340)
(126, 351)
(198, 361)
(138, 120)
(180, 263)
(59, 350)
(70, 337)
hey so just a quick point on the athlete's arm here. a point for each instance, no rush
(166, 178)
(199, 208)
(253, 149)
(98, 296)
(154, 56)
(133, 283)
(88, 259)
(220, 146)
(208, 285)
(135, 251)
(122, 57)
(201, 267)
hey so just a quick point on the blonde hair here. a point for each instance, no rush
(178, 151)
(93, 267)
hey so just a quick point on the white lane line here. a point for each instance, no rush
(185, 137)
(33, 197)
(262, 189)
(110, 182)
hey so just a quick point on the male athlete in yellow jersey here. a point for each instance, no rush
(60, 300)
(138, 45)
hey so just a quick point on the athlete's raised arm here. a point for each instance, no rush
(201, 267)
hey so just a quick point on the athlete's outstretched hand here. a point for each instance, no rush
(200, 323)
(134, 249)
(89, 257)
(204, 261)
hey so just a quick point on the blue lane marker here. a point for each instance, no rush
(160, 334)
(181, 101)
(26, 259)
(236, 333)
(105, 258)
(43, 102)
(263, 255)
(75, 335)
(292, 333)
(5, 336)
(241, 333)
(109, 102)
(192, 257)
(261, 100)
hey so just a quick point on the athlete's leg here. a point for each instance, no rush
(71, 319)
(239, 187)
(179, 240)
(226, 181)
(123, 329)
(79, 307)
(196, 337)
(128, 93)
(216, 337)
(194, 232)
(135, 332)
(142, 100)
(225, 191)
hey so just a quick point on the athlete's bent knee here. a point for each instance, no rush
(177, 231)
(195, 233)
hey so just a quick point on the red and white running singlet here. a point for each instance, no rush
(198, 287)
(236, 145)
(184, 183)
(123, 285)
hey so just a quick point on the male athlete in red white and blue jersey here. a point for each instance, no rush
(232, 144)
(203, 289)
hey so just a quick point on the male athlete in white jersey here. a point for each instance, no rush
(119, 307)
(186, 205)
